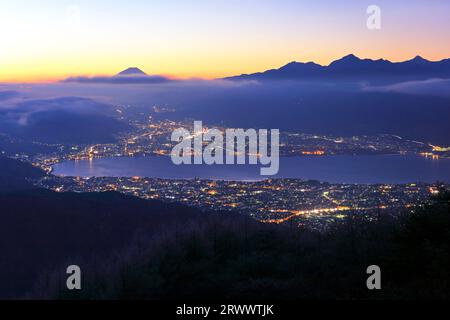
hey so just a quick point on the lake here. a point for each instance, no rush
(334, 169)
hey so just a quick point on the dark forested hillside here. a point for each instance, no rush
(228, 258)
(42, 230)
(16, 175)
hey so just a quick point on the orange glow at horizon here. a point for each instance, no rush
(59, 70)
(53, 40)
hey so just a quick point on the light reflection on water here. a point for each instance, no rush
(336, 169)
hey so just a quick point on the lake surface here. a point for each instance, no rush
(335, 169)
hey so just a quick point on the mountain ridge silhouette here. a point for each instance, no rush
(351, 66)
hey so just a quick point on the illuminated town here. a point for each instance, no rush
(277, 201)
(273, 201)
(153, 137)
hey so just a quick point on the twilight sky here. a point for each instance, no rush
(53, 39)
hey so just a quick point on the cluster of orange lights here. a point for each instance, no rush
(295, 213)
(433, 190)
(161, 152)
(440, 149)
(232, 205)
(313, 153)
(429, 154)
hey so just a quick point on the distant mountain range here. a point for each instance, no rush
(353, 67)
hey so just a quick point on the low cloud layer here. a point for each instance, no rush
(121, 80)
(7, 95)
(60, 120)
(20, 112)
(435, 87)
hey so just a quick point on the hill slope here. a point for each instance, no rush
(42, 231)
(16, 175)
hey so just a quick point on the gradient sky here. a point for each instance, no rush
(52, 39)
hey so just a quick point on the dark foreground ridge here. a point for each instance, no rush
(16, 175)
(42, 231)
(130, 248)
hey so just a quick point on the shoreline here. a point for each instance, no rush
(366, 171)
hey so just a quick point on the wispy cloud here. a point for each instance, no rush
(19, 113)
(7, 95)
(436, 87)
(121, 79)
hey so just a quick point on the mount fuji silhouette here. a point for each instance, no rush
(131, 75)
(133, 71)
